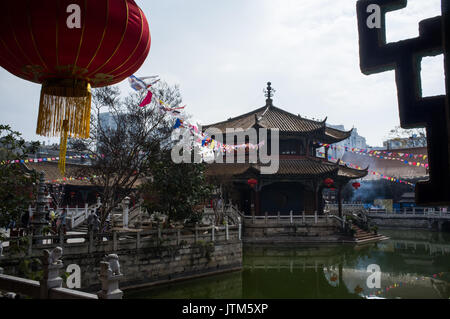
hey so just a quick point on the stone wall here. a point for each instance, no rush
(148, 261)
(273, 231)
(419, 223)
(411, 222)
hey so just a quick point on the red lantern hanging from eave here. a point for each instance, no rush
(356, 185)
(328, 182)
(45, 42)
(252, 182)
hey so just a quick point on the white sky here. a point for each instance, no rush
(222, 53)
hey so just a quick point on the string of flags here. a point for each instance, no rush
(139, 84)
(45, 159)
(400, 284)
(388, 153)
(404, 158)
(68, 179)
(202, 139)
(375, 173)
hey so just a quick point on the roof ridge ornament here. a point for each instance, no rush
(268, 93)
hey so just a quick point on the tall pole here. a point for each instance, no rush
(38, 222)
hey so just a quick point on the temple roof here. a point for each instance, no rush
(351, 173)
(333, 135)
(272, 117)
(305, 166)
(52, 173)
(294, 167)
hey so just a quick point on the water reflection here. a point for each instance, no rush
(414, 264)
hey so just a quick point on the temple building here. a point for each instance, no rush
(302, 176)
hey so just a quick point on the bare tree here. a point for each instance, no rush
(408, 137)
(125, 139)
(57, 193)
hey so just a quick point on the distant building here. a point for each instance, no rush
(408, 142)
(354, 141)
(52, 151)
(107, 121)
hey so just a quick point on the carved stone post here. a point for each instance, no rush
(38, 223)
(227, 233)
(51, 264)
(110, 276)
(125, 206)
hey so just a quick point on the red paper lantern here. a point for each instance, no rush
(356, 185)
(252, 182)
(42, 41)
(328, 182)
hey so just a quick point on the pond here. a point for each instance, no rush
(413, 264)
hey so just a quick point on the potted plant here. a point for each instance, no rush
(375, 230)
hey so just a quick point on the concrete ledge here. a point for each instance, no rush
(64, 293)
(298, 240)
(26, 287)
(182, 278)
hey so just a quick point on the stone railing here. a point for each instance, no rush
(75, 215)
(230, 213)
(50, 287)
(116, 241)
(292, 218)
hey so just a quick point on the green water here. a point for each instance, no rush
(414, 264)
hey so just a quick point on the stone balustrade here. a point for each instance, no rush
(50, 286)
(123, 240)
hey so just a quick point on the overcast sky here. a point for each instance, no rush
(222, 53)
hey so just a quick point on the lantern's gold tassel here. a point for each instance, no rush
(63, 148)
(64, 110)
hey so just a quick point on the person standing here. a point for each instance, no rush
(63, 218)
(90, 220)
(95, 224)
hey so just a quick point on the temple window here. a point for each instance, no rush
(289, 147)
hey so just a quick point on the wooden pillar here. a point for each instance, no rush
(252, 202)
(320, 201)
(257, 202)
(339, 199)
(316, 196)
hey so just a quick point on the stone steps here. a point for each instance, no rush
(363, 237)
